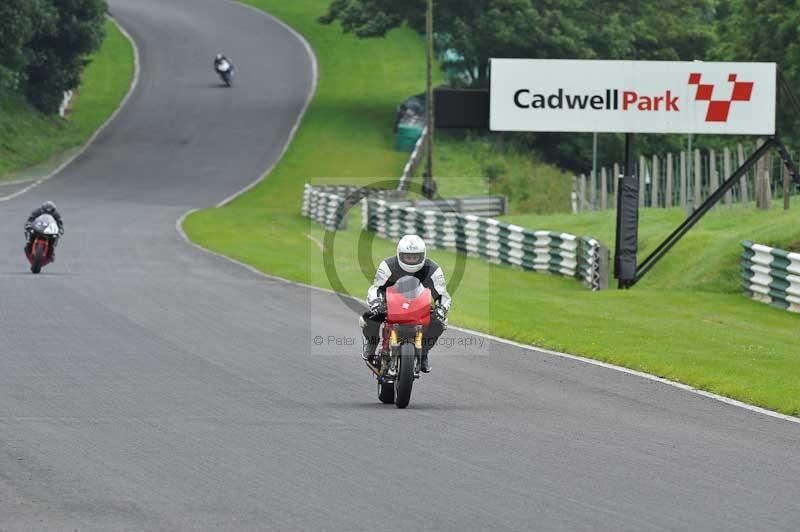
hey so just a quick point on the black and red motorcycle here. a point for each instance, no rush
(42, 237)
(397, 363)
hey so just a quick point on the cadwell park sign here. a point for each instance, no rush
(633, 96)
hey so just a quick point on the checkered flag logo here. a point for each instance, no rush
(718, 110)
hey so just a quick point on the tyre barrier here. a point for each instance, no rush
(500, 243)
(771, 275)
(328, 204)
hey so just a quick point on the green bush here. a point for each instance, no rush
(44, 45)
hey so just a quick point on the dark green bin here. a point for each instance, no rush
(407, 137)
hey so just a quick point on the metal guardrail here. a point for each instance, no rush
(486, 206)
(544, 251)
(771, 275)
(413, 162)
(328, 204)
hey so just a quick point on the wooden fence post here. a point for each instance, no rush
(574, 195)
(744, 192)
(592, 191)
(713, 176)
(684, 168)
(698, 179)
(668, 190)
(615, 178)
(727, 170)
(768, 178)
(786, 187)
(582, 194)
(603, 189)
(763, 192)
(654, 183)
(642, 182)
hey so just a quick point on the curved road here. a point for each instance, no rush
(147, 385)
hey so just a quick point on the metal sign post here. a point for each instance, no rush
(429, 186)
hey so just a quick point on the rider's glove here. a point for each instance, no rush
(377, 306)
(441, 313)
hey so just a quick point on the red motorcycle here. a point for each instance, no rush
(43, 234)
(397, 364)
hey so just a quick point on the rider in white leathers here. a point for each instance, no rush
(411, 259)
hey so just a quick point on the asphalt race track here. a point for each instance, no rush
(148, 385)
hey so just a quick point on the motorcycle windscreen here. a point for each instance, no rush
(45, 225)
(408, 302)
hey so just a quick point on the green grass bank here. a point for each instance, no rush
(471, 164)
(685, 322)
(29, 138)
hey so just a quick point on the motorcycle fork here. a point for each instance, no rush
(391, 361)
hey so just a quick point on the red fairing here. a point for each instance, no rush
(408, 311)
(46, 244)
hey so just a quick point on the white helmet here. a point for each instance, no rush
(411, 253)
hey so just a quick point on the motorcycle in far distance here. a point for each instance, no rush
(397, 364)
(225, 71)
(42, 238)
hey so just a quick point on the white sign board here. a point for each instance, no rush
(633, 96)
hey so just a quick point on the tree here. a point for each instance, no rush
(476, 29)
(17, 25)
(765, 30)
(575, 29)
(558, 29)
(56, 54)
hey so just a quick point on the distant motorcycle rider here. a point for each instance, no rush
(48, 207)
(219, 60)
(410, 260)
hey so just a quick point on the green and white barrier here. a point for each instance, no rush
(328, 204)
(771, 275)
(324, 207)
(544, 251)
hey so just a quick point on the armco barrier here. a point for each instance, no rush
(478, 205)
(771, 275)
(544, 251)
(328, 204)
(413, 162)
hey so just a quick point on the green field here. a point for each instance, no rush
(696, 330)
(29, 138)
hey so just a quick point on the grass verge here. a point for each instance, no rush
(480, 164)
(28, 137)
(692, 331)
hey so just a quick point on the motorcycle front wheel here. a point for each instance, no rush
(405, 375)
(38, 257)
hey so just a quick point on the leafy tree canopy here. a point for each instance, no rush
(580, 29)
(765, 30)
(44, 45)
